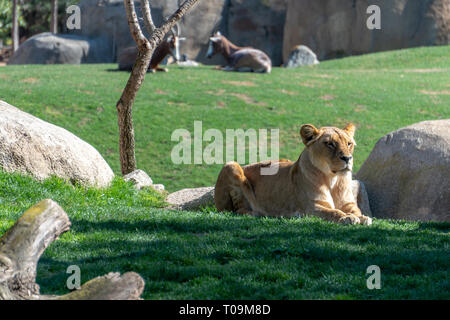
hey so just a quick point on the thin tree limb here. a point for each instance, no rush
(148, 20)
(146, 48)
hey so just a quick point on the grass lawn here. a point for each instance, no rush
(209, 255)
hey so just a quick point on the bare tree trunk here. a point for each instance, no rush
(22, 246)
(54, 17)
(145, 50)
(15, 26)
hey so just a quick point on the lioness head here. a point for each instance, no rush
(330, 149)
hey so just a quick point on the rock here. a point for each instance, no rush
(361, 197)
(301, 56)
(407, 173)
(48, 48)
(139, 178)
(127, 58)
(191, 199)
(188, 63)
(32, 146)
(339, 28)
(159, 187)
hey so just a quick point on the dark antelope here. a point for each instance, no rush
(169, 46)
(243, 59)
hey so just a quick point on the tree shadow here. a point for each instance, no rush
(226, 249)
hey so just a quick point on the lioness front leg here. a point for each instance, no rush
(325, 211)
(352, 208)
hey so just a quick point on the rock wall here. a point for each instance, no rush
(339, 28)
(257, 23)
(331, 28)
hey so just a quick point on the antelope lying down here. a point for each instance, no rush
(169, 46)
(243, 59)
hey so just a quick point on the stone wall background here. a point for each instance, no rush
(331, 28)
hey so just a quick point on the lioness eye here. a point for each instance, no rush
(330, 145)
(349, 144)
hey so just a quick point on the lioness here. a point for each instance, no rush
(318, 183)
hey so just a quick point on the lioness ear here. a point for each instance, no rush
(309, 133)
(350, 129)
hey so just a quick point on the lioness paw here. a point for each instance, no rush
(365, 220)
(349, 219)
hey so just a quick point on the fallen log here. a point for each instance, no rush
(22, 246)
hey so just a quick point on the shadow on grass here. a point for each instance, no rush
(202, 252)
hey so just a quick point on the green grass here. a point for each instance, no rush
(380, 93)
(209, 255)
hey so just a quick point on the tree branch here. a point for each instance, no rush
(147, 14)
(112, 286)
(146, 48)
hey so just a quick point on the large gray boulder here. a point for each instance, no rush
(48, 48)
(191, 198)
(32, 146)
(139, 178)
(301, 56)
(407, 175)
(361, 198)
(339, 28)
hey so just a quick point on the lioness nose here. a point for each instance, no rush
(346, 159)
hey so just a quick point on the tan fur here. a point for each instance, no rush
(318, 183)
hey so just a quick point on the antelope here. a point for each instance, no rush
(242, 59)
(169, 46)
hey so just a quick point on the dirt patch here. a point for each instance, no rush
(90, 93)
(83, 122)
(327, 97)
(247, 99)
(291, 93)
(53, 112)
(360, 108)
(435, 93)
(312, 84)
(158, 91)
(221, 104)
(240, 83)
(325, 76)
(29, 80)
(216, 93)
(432, 70)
